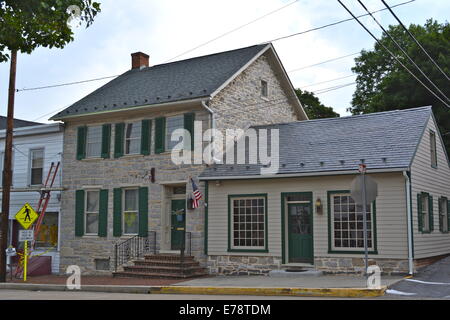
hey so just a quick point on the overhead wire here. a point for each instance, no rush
(393, 55)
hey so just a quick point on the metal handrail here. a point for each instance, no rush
(134, 248)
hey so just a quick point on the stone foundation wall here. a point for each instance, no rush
(242, 265)
(356, 265)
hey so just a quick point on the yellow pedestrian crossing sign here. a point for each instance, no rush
(26, 216)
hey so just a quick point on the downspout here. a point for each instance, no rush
(212, 115)
(409, 219)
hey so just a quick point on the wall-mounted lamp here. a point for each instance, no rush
(319, 207)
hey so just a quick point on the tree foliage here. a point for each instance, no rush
(383, 84)
(28, 24)
(313, 107)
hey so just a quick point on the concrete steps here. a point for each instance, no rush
(163, 266)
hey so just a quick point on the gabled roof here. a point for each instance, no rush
(385, 140)
(17, 123)
(171, 82)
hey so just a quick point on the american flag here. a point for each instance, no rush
(196, 193)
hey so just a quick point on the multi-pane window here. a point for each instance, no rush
(2, 158)
(424, 214)
(264, 89)
(130, 211)
(92, 211)
(37, 166)
(443, 214)
(248, 223)
(433, 149)
(94, 142)
(133, 137)
(173, 123)
(348, 225)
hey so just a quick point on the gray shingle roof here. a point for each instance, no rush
(385, 140)
(182, 80)
(18, 123)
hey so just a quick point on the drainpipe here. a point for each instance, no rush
(213, 125)
(409, 215)
(212, 117)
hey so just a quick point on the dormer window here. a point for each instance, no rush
(264, 89)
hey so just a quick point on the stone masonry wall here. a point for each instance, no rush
(240, 104)
(242, 265)
(356, 265)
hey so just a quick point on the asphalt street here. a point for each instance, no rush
(430, 282)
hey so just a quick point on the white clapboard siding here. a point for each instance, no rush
(52, 145)
(390, 212)
(435, 181)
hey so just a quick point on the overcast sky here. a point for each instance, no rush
(165, 28)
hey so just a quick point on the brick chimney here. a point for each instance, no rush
(138, 60)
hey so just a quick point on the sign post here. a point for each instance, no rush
(26, 216)
(364, 191)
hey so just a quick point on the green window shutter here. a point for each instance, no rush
(145, 137)
(118, 140)
(189, 126)
(143, 211)
(81, 142)
(79, 213)
(419, 211)
(448, 215)
(441, 217)
(103, 214)
(117, 212)
(160, 135)
(430, 215)
(106, 140)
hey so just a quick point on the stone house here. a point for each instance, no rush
(303, 215)
(120, 182)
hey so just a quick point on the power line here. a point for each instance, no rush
(393, 55)
(323, 62)
(320, 91)
(404, 52)
(326, 81)
(65, 84)
(415, 40)
(334, 23)
(231, 31)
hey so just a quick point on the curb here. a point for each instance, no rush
(293, 292)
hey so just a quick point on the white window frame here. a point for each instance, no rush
(168, 140)
(357, 248)
(86, 212)
(134, 211)
(234, 247)
(126, 139)
(425, 212)
(99, 142)
(30, 166)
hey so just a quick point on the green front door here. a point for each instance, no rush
(300, 232)
(178, 223)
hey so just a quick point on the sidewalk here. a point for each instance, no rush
(320, 286)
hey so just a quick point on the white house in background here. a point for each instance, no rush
(35, 147)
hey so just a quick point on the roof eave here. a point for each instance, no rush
(304, 174)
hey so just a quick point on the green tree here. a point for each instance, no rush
(28, 24)
(313, 107)
(383, 84)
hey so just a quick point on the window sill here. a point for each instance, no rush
(91, 236)
(249, 250)
(134, 155)
(265, 98)
(351, 252)
(92, 159)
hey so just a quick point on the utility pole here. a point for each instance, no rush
(7, 173)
